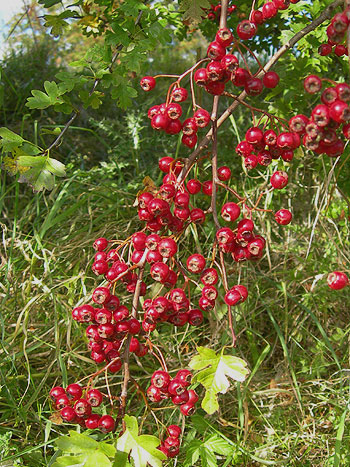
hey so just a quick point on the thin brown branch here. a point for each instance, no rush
(291, 43)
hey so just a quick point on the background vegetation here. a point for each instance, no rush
(293, 331)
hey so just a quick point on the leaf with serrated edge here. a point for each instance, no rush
(143, 449)
(215, 370)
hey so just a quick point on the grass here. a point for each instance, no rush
(293, 409)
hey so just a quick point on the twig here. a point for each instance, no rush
(291, 43)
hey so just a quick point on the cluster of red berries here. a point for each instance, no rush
(336, 33)
(76, 407)
(337, 280)
(171, 445)
(163, 387)
(247, 29)
(323, 131)
(166, 116)
(213, 13)
(261, 147)
(224, 67)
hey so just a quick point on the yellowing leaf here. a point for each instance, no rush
(214, 374)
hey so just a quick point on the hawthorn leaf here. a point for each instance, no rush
(143, 448)
(49, 3)
(193, 9)
(40, 100)
(206, 450)
(215, 369)
(10, 140)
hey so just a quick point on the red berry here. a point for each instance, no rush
(246, 29)
(174, 431)
(167, 247)
(251, 161)
(179, 94)
(238, 294)
(62, 401)
(240, 77)
(209, 276)
(154, 394)
(271, 79)
(312, 84)
(176, 387)
(224, 37)
(253, 86)
(325, 49)
(68, 414)
(94, 397)
(195, 317)
(254, 135)
(230, 212)
(74, 391)
(197, 216)
(189, 141)
(224, 173)
(101, 295)
(82, 408)
(202, 118)
(159, 271)
(215, 51)
(279, 180)
(92, 422)
(100, 244)
(147, 83)
(195, 263)
(207, 187)
(269, 10)
(187, 409)
(56, 392)
(337, 280)
(283, 216)
(194, 186)
(201, 77)
(106, 424)
(229, 62)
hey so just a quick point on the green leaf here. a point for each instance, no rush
(76, 442)
(42, 100)
(206, 450)
(215, 370)
(193, 9)
(10, 140)
(143, 449)
(121, 460)
(49, 3)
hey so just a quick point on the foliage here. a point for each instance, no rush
(292, 405)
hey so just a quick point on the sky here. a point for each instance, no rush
(7, 9)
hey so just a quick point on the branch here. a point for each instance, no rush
(291, 43)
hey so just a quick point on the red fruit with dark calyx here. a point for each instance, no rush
(210, 292)
(101, 295)
(207, 187)
(179, 399)
(251, 161)
(164, 164)
(187, 409)
(195, 263)
(253, 86)
(189, 141)
(224, 37)
(246, 29)
(215, 72)
(160, 122)
(201, 77)
(215, 51)
(230, 211)
(202, 118)
(240, 77)
(343, 91)
(238, 294)
(197, 216)
(312, 84)
(159, 271)
(62, 401)
(230, 62)
(337, 280)
(176, 387)
(134, 326)
(100, 267)
(56, 392)
(339, 111)
(179, 94)
(195, 317)
(325, 49)
(257, 17)
(174, 431)
(185, 376)
(254, 136)
(283, 216)
(209, 276)
(215, 87)
(192, 396)
(94, 397)
(160, 379)
(147, 83)
(82, 408)
(106, 424)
